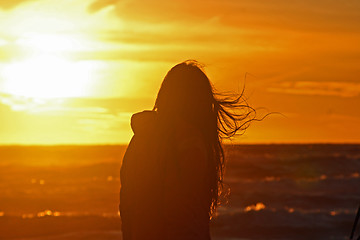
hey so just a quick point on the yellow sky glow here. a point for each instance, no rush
(74, 71)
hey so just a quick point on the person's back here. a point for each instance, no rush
(161, 196)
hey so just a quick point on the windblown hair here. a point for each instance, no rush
(187, 93)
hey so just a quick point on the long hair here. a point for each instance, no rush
(186, 93)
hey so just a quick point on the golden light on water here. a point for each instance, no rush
(42, 214)
(256, 207)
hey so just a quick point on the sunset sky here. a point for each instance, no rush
(74, 71)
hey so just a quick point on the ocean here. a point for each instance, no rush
(276, 191)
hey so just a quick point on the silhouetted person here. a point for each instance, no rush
(172, 171)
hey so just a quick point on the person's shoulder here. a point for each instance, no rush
(143, 121)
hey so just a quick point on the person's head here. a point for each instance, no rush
(186, 93)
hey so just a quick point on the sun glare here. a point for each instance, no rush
(45, 71)
(50, 42)
(49, 76)
(56, 51)
(42, 63)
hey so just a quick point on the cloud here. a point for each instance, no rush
(99, 108)
(10, 4)
(97, 117)
(339, 89)
(231, 29)
(98, 5)
(322, 15)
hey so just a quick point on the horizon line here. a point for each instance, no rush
(125, 144)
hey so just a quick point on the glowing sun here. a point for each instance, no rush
(45, 72)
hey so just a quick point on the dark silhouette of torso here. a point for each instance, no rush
(165, 192)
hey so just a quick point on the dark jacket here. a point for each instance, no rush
(165, 193)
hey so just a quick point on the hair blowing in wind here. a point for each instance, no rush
(187, 93)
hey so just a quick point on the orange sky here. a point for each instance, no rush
(73, 71)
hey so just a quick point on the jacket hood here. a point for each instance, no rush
(143, 121)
